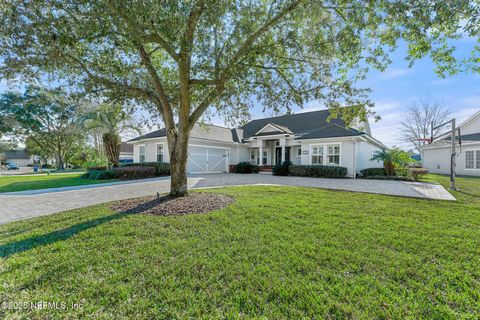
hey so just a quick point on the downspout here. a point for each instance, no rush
(354, 160)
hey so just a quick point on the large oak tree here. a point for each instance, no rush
(45, 120)
(185, 56)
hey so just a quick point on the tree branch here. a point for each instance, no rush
(247, 44)
(154, 37)
(207, 82)
(166, 109)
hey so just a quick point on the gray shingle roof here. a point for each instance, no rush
(200, 131)
(299, 123)
(330, 131)
(17, 154)
(308, 125)
(466, 137)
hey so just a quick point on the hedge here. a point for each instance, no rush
(319, 171)
(97, 168)
(282, 169)
(373, 172)
(246, 167)
(384, 177)
(134, 172)
(99, 175)
(161, 168)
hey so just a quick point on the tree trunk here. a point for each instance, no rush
(389, 168)
(60, 163)
(178, 149)
(111, 143)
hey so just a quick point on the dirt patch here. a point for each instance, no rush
(165, 205)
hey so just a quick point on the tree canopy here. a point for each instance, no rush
(235, 53)
(184, 57)
(45, 119)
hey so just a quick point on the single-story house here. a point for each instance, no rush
(436, 155)
(304, 138)
(126, 152)
(21, 158)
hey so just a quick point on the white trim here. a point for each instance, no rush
(227, 161)
(470, 119)
(275, 127)
(144, 154)
(325, 153)
(268, 137)
(475, 168)
(163, 151)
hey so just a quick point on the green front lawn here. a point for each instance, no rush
(276, 253)
(35, 182)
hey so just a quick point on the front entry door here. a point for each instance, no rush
(278, 155)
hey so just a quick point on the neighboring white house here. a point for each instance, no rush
(436, 156)
(19, 157)
(303, 138)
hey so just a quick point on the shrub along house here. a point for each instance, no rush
(304, 139)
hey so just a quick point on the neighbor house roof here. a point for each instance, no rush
(126, 148)
(17, 154)
(201, 131)
(299, 123)
(330, 131)
(467, 137)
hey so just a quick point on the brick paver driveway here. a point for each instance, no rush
(27, 204)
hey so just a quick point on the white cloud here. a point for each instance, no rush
(395, 73)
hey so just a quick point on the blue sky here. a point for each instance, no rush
(399, 86)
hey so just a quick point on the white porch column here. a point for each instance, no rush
(283, 155)
(260, 155)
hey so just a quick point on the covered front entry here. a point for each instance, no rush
(207, 160)
(278, 155)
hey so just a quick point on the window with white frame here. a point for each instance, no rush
(333, 154)
(141, 153)
(299, 152)
(317, 155)
(472, 159)
(265, 157)
(326, 154)
(253, 156)
(159, 152)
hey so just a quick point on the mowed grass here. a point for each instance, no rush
(35, 182)
(276, 253)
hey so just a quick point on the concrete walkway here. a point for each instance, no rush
(27, 204)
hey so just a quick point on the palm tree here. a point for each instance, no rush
(392, 159)
(111, 120)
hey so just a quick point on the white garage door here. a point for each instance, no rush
(207, 160)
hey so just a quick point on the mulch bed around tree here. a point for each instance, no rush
(166, 205)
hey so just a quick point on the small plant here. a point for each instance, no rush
(394, 160)
(246, 167)
(418, 173)
(282, 169)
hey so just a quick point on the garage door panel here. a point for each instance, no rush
(207, 160)
(216, 163)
